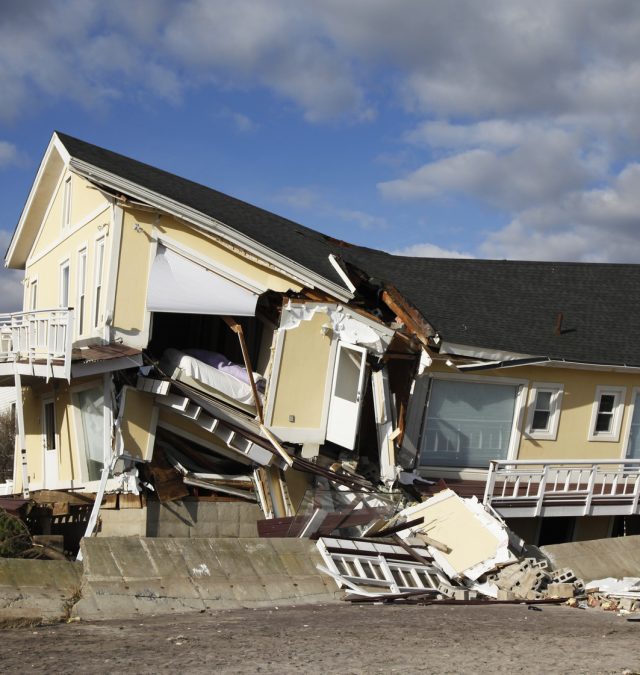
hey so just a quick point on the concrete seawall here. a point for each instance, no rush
(130, 576)
(37, 590)
(599, 558)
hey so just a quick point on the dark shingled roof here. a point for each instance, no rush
(494, 304)
(514, 305)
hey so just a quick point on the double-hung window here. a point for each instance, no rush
(468, 423)
(82, 289)
(64, 284)
(99, 265)
(633, 443)
(544, 411)
(606, 414)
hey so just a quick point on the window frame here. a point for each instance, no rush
(65, 264)
(33, 294)
(613, 435)
(555, 405)
(98, 281)
(424, 382)
(81, 290)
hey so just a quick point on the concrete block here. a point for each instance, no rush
(560, 590)
(534, 595)
(506, 595)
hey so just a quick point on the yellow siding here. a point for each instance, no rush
(302, 375)
(575, 414)
(67, 445)
(138, 424)
(85, 200)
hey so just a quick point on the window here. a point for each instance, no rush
(99, 264)
(606, 414)
(633, 444)
(64, 284)
(66, 203)
(544, 411)
(33, 295)
(49, 425)
(82, 288)
(90, 405)
(467, 424)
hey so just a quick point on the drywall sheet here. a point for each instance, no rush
(477, 540)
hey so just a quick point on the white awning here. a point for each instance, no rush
(179, 285)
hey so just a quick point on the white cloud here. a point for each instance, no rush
(430, 251)
(591, 225)
(11, 290)
(302, 198)
(9, 154)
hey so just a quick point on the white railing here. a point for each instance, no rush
(588, 487)
(41, 337)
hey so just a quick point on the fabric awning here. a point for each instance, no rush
(177, 284)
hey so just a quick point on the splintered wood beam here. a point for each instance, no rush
(237, 328)
(408, 314)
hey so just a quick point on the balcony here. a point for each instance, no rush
(535, 488)
(37, 343)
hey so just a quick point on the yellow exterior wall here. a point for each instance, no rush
(138, 424)
(302, 375)
(575, 413)
(55, 246)
(67, 445)
(135, 263)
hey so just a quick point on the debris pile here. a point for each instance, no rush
(615, 594)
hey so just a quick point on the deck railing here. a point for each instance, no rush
(39, 338)
(589, 487)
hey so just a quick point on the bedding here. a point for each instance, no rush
(215, 371)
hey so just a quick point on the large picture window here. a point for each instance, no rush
(467, 424)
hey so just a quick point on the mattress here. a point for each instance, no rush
(210, 377)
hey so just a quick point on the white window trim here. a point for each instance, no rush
(66, 262)
(518, 411)
(97, 317)
(555, 404)
(32, 284)
(43, 435)
(612, 436)
(81, 290)
(635, 400)
(80, 452)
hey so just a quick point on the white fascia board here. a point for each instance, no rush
(54, 144)
(282, 263)
(484, 353)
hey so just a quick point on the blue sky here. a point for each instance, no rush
(504, 129)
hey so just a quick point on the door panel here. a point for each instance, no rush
(346, 395)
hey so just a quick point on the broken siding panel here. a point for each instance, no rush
(299, 387)
(138, 420)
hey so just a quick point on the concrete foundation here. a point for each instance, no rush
(127, 576)
(599, 558)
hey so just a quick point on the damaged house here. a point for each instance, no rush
(177, 342)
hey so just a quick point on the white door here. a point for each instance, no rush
(346, 395)
(49, 445)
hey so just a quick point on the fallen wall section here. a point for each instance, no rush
(599, 558)
(130, 576)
